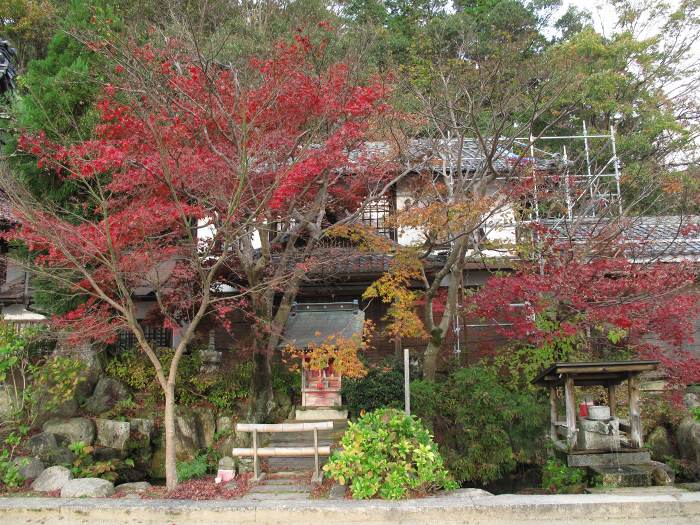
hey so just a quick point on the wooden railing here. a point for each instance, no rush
(256, 452)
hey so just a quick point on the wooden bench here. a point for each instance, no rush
(257, 452)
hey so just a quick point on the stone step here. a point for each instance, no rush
(281, 488)
(267, 496)
(284, 480)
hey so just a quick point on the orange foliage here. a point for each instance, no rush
(341, 352)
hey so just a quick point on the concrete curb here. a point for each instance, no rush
(456, 508)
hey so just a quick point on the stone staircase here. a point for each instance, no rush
(302, 439)
(281, 487)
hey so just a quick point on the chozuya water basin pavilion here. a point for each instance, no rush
(596, 435)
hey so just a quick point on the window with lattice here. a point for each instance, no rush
(156, 335)
(376, 215)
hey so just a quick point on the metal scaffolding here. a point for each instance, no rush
(590, 183)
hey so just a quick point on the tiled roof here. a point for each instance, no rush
(439, 154)
(665, 237)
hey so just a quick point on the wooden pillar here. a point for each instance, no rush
(553, 413)
(406, 382)
(635, 420)
(316, 471)
(256, 468)
(570, 402)
(612, 403)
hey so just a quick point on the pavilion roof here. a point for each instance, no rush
(593, 373)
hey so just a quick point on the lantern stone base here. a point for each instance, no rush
(320, 414)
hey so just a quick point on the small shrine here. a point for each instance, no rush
(594, 435)
(314, 323)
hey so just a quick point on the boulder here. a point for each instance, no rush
(42, 443)
(29, 468)
(89, 355)
(142, 430)
(108, 392)
(87, 488)
(194, 430)
(58, 456)
(48, 410)
(661, 474)
(691, 400)
(53, 478)
(132, 488)
(688, 439)
(7, 404)
(659, 443)
(107, 454)
(112, 434)
(72, 430)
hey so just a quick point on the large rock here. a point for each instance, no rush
(688, 439)
(8, 406)
(142, 431)
(47, 410)
(87, 488)
(108, 392)
(194, 430)
(89, 355)
(58, 456)
(42, 443)
(53, 478)
(661, 474)
(132, 488)
(29, 468)
(112, 434)
(73, 430)
(659, 442)
(691, 400)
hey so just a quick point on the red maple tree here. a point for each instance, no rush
(604, 300)
(192, 161)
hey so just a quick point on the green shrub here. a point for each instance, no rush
(34, 379)
(9, 470)
(390, 455)
(380, 388)
(192, 469)
(222, 389)
(558, 477)
(85, 466)
(485, 426)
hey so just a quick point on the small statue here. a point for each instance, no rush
(8, 54)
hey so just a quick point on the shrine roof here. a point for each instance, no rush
(314, 322)
(593, 373)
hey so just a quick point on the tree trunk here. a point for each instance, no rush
(262, 398)
(170, 459)
(430, 358)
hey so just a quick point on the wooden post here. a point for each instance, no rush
(406, 382)
(316, 471)
(570, 402)
(553, 413)
(635, 419)
(256, 472)
(612, 400)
